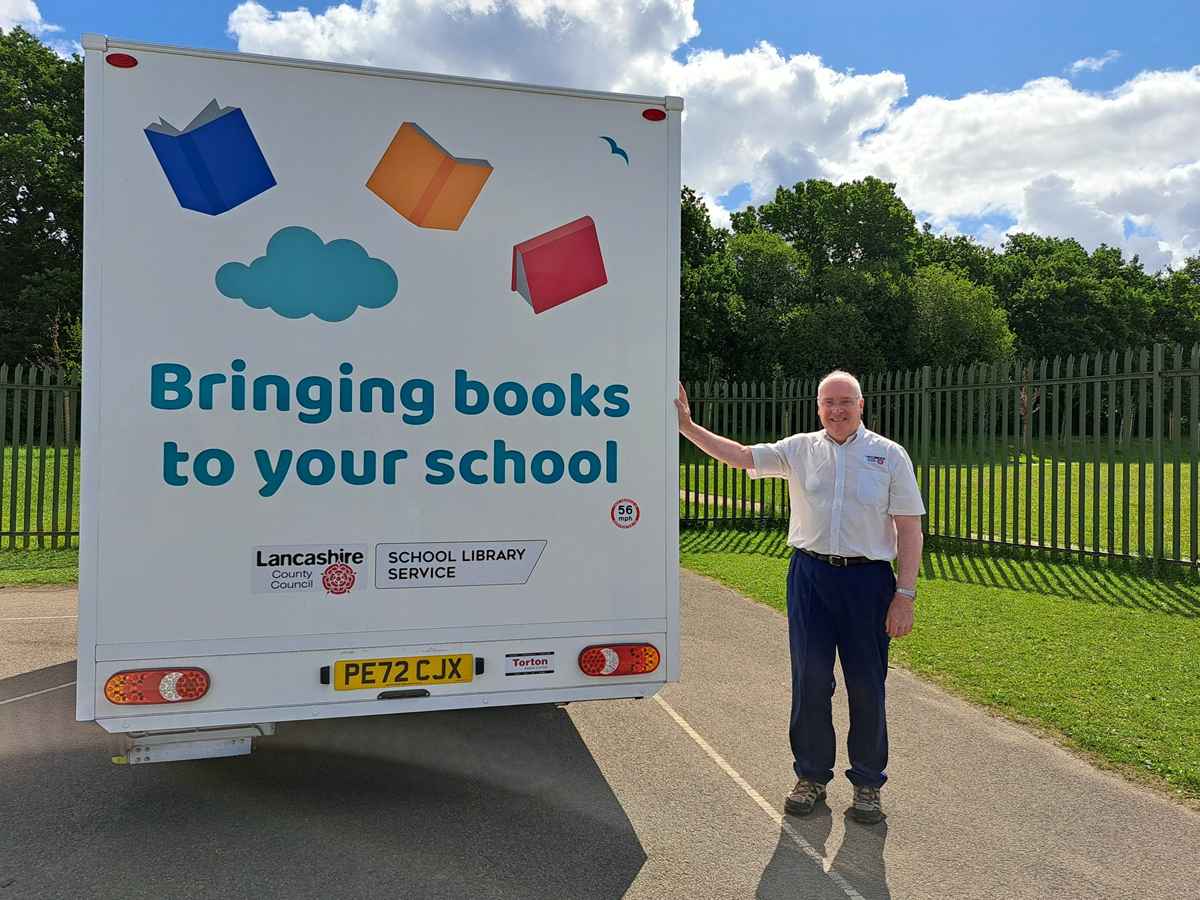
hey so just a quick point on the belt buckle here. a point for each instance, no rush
(838, 561)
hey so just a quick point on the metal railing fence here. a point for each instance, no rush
(1092, 454)
(39, 475)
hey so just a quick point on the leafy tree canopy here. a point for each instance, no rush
(822, 276)
(41, 199)
(956, 322)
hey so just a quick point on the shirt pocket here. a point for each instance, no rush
(873, 487)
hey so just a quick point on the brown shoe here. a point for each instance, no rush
(804, 796)
(867, 808)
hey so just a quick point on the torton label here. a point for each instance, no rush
(528, 663)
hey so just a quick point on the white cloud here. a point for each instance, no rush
(1092, 63)
(1053, 158)
(24, 13)
(590, 43)
(745, 110)
(1120, 153)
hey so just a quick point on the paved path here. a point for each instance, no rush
(673, 797)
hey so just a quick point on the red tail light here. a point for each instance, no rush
(619, 659)
(143, 686)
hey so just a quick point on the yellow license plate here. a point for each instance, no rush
(407, 671)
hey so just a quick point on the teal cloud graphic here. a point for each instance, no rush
(301, 275)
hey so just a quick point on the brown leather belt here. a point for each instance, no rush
(837, 560)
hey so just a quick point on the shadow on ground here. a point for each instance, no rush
(1110, 582)
(1112, 585)
(859, 859)
(503, 803)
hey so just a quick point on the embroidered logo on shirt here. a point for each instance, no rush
(878, 460)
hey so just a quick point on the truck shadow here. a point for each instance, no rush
(503, 803)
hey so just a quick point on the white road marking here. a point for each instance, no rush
(777, 817)
(35, 693)
(31, 618)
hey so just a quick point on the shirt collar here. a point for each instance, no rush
(862, 429)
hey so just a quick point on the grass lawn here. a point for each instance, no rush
(26, 470)
(1104, 659)
(23, 567)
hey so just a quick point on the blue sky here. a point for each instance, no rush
(954, 48)
(1070, 118)
(945, 48)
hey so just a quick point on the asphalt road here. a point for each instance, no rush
(678, 796)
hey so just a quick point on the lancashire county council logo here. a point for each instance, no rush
(338, 578)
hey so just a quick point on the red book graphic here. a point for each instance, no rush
(559, 265)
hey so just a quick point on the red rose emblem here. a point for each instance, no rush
(338, 578)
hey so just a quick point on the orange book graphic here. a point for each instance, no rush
(418, 179)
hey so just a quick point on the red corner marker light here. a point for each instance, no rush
(619, 659)
(144, 686)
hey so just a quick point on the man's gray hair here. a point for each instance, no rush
(839, 374)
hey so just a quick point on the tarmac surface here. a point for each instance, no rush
(678, 796)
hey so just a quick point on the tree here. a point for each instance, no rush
(821, 337)
(771, 279)
(854, 224)
(710, 310)
(1176, 318)
(955, 321)
(959, 253)
(699, 240)
(1061, 300)
(41, 199)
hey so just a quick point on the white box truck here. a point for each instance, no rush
(377, 399)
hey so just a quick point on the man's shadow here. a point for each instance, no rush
(794, 872)
(860, 858)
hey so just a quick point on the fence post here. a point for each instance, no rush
(923, 440)
(1158, 455)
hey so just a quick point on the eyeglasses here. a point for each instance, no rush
(830, 403)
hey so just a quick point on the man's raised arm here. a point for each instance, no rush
(729, 452)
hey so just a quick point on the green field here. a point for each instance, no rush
(1105, 660)
(28, 473)
(29, 567)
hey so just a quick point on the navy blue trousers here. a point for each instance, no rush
(840, 609)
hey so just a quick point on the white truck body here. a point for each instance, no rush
(270, 489)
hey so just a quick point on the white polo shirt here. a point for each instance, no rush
(843, 495)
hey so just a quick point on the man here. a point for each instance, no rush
(855, 508)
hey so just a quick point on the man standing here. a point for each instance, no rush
(855, 508)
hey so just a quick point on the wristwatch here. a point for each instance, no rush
(907, 593)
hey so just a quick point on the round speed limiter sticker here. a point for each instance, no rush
(625, 513)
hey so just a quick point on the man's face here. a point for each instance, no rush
(840, 410)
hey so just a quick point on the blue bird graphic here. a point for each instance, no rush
(615, 149)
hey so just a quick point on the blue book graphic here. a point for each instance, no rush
(214, 164)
